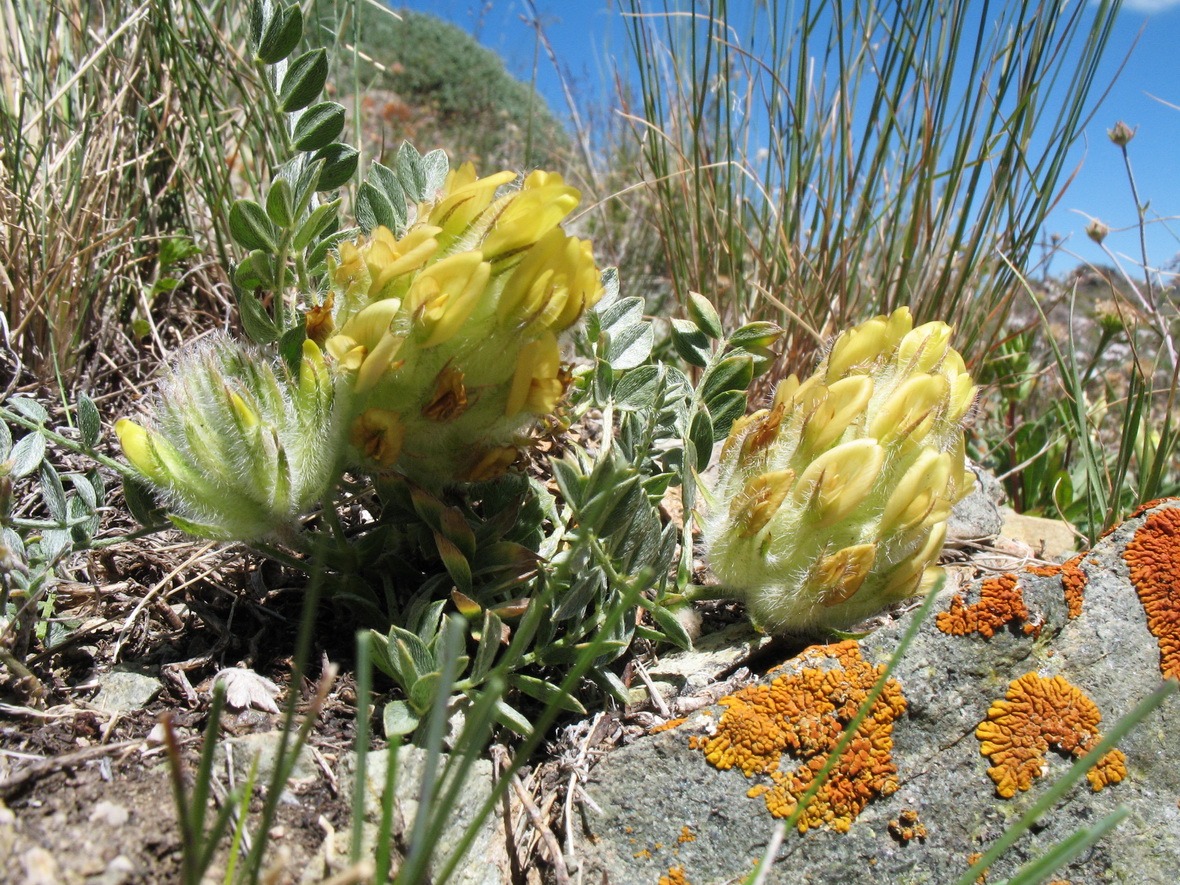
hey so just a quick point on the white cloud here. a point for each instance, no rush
(1149, 6)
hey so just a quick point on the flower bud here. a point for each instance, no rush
(1097, 231)
(1121, 134)
(238, 448)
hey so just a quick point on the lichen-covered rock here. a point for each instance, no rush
(1088, 656)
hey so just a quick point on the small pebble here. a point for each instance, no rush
(109, 813)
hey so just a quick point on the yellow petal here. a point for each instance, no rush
(370, 325)
(138, 450)
(838, 481)
(842, 573)
(923, 349)
(909, 411)
(856, 349)
(761, 500)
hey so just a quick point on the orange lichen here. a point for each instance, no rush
(1153, 556)
(972, 859)
(1048, 570)
(1039, 713)
(1150, 505)
(669, 725)
(1000, 601)
(686, 835)
(907, 826)
(1073, 581)
(803, 714)
(675, 877)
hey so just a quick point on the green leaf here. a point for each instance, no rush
(512, 719)
(422, 692)
(27, 454)
(258, 20)
(455, 562)
(291, 345)
(315, 224)
(199, 529)
(398, 718)
(280, 207)
(281, 35)
(87, 494)
(373, 208)
(546, 692)
(410, 172)
(602, 381)
(89, 423)
(570, 481)
(255, 320)
(637, 388)
(318, 126)
(55, 543)
(704, 315)
(755, 335)
(456, 528)
(250, 226)
(624, 312)
(53, 492)
(304, 80)
(5, 441)
(700, 432)
(724, 409)
(412, 650)
(435, 166)
(385, 180)
(673, 629)
(489, 644)
(735, 372)
(690, 343)
(610, 290)
(141, 502)
(30, 408)
(340, 162)
(630, 346)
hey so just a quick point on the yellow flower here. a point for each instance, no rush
(536, 384)
(139, 450)
(465, 197)
(388, 259)
(835, 483)
(841, 574)
(378, 434)
(443, 296)
(530, 214)
(761, 500)
(492, 463)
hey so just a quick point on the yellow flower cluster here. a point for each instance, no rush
(446, 339)
(833, 501)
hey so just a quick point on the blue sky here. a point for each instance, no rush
(591, 43)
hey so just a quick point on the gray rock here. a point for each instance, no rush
(486, 862)
(977, 517)
(653, 789)
(122, 690)
(242, 749)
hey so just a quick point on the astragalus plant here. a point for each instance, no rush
(832, 503)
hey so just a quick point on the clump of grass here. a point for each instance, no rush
(821, 164)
